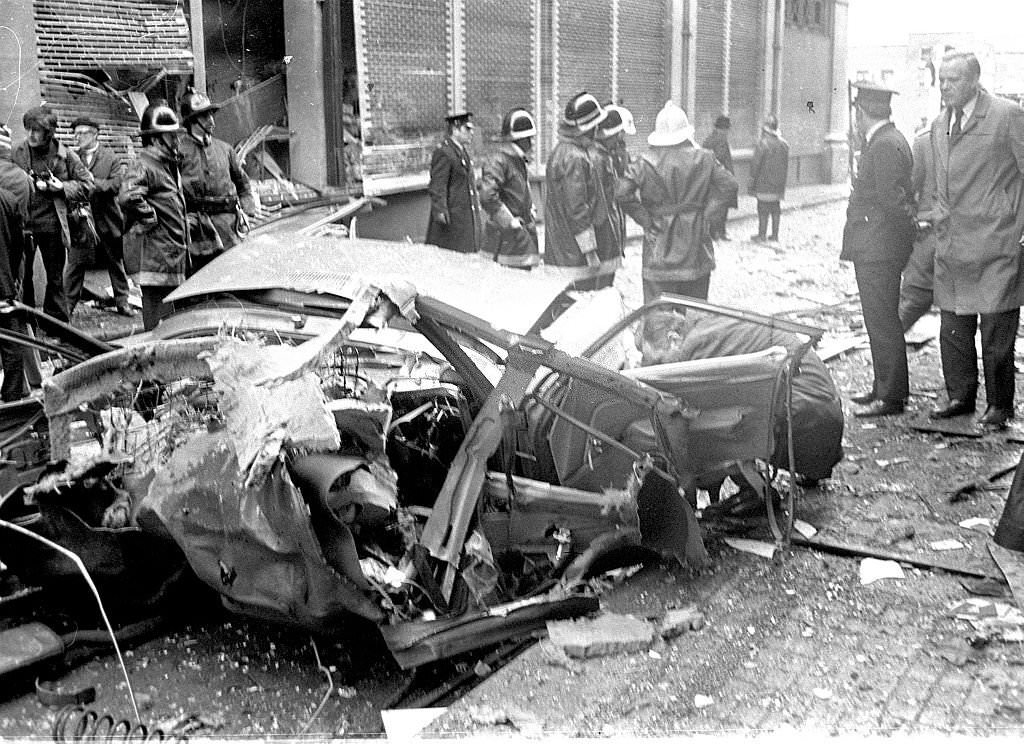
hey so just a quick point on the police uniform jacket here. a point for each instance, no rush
(453, 193)
(505, 193)
(881, 214)
(107, 168)
(670, 192)
(213, 182)
(979, 174)
(156, 241)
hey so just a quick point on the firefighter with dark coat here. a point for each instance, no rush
(611, 158)
(671, 191)
(12, 255)
(107, 168)
(59, 177)
(573, 207)
(151, 196)
(510, 232)
(455, 220)
(878, 237)
(718, 143)
(218, 196)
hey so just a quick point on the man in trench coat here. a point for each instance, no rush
(979, 261)
(455, 220)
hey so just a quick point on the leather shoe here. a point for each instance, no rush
(880, 408)
(126, 310)
(863, 398)
(996, 416)
(956, 407)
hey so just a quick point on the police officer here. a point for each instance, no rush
(455, 221)
(510, 230)
(215, 185)
(878, 237)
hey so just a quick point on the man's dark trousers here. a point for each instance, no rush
(879, 286)
(960, 358)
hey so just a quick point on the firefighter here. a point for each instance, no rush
(510, 232)
(151, 197)
(217, 192)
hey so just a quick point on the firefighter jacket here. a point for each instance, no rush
(214, 185)
(156, 241)
(505, 193)
(573, 207)
(669, 192)
(65, 165)
(611, 234)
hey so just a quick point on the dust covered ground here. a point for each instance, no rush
(793, 643)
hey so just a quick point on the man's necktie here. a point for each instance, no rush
(958, 114)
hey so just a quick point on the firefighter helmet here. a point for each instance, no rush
(194, 103)
(517, 124)
(159, 118)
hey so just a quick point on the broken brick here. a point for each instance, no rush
(677, 622)
(601, 636)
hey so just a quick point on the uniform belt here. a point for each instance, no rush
(674, 209)
(212, 206)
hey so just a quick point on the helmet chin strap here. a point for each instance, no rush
(207, 134)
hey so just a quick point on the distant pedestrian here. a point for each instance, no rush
(455, 218)
(878, 237)
(156, 243)
(108, 169)
(718, 143)
(671, 191)
(510, 232)
(916, 292)
(769, 171)
(979, 264)
(12, 256)
(573, 207)
(58, 177)
(218, 196)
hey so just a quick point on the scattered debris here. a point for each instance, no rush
(677, 622)
(604, 635)
(757, 547)
(403, 724)
(839, 346)
(525, 722)
(873, 569)
(985, 587)
(702, 701)
(1011, 563)
(555, 656)
(961, 493)
(805, 529)
(978, 524)
(907, 533)
(822, 693)
(946, 427)
(889, 463)
(992, 620)
(958, 653)
(861, 552)
(948, 544)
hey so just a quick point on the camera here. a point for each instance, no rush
(41, 179)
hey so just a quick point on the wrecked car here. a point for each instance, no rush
(444, 447)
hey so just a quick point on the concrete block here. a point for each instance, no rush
(601, 636)
(677, 622)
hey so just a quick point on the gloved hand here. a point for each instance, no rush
(441, 218)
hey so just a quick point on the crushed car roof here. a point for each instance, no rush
(506, 298)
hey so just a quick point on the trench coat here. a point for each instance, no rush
(718, 143)
(214, 182)
(505, 193)
(108, 170)
(979, 184)
(670, 192)
(453, 194)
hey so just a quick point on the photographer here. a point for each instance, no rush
(58, 176)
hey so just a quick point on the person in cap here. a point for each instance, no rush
(611, 158)
(573, 204)
(718, 143)
(455, 220)
(58, 177)
(769, 170)
(671, 191)
(878, 237)
(153, 202)
(216, 187)
(107, 168)
(510, 232)
(979, 269)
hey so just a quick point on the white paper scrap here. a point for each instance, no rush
(947, 545)
(402, 724)
(805, 529)
(702, 701)
(981, 524)
(873, 569)
(757, 547)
